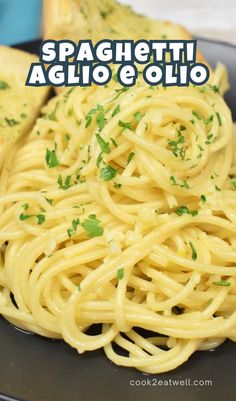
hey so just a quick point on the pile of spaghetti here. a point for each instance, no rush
(119, 209)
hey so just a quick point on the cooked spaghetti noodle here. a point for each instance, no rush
(119, 209)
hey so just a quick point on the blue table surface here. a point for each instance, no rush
(20, 21)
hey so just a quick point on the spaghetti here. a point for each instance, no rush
(119, 209)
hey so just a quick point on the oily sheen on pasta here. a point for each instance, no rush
(119, 210)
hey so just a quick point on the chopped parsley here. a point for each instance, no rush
(25, 206)
(222, 283)
(120, 274)
(11, 122)
(101, 120)
(99, 159)
(209, 139)
(67, 93)
(214, 88)
(4, 85)
(194, 252)
(209, 119)
(66, 184)
(130, 157)
(174, 145)
(233, 183)
(108, 173)
(113, 142)
(23, 115)
(79, 287)
(24, 217)
(217, 188)
(125, 125)
(41, 219)
(116, 111)
(138, 116)
(72, 230)
(115, 77)
(195, 114)
(51, 158)
(105, 147)
(219, 119)
(53, 115)
(92, 226)
(116, 185)
(185, 210)
(89, 117)
(50, 201)
(184, 183)
(203, 198)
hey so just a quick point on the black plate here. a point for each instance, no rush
(33, 368)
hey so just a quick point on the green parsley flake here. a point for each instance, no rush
(195, 114)
(217, 188)
(120, 274)
(105, 147)
(115, 77)
(25, 206)
(24, 217)
(113, 142)
(203, 198)
(99, 159)
(51, 158)
(219, 119)
(108, 173)
(130, 157)
(116, 185)
(53, 115)
(184, 184)
(66, 184)
(125, 125)
(41, 219)
(101, 120)
(116, 111)
(222, 283)
(89, 117)
(174, 145)
(214, 88)
(11, 122)
(4, 85)
(209, 119)
(209, 139)
(194, 252)
(92, 226)
(233, 183)
(185, 210)
(50, 201)
(72, 230)
(138, 116)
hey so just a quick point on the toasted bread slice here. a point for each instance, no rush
(104, 19)
(19, 104)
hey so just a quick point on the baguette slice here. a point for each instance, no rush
(19, 105)
(104, 19)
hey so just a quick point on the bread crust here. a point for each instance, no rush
(20, 105)
(67, 19)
